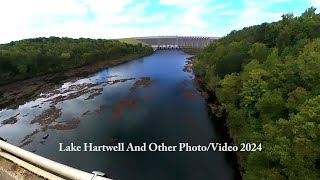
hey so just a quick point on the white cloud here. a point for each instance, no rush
(40, 8)
(245, 20)
(170, 2)
(182, 2)
(34, 18)
(106, 7)
(22, 19)
(194, 16)
(315, 3)
(191, 18)
(218, 7)
(111, 19)
(255, 12)
(227, 13)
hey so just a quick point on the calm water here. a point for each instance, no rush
(155, 101)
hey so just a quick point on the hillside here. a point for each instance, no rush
(266, 79)
(132, 41)
(34, 57)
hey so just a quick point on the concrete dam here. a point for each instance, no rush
(176, 42)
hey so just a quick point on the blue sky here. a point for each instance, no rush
(22, 19)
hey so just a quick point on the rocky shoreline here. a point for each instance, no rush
(14, 94)
(217, 116)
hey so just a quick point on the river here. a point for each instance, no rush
(149, 100)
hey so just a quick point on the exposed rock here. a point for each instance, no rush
(11, 120)
(25, 143)
(65, 125)
(144, 82)
(119, 80)
(47, 117)
(46, 136)
(187, 66)
(30, 135)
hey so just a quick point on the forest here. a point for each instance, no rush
(38, 56)
(266, 79)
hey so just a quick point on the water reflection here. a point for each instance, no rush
(152, 99)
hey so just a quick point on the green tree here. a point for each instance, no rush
(296, 98)
(271, 105)
(259, 52)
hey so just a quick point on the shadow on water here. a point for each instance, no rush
(218, 124)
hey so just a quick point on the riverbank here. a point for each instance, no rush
(16, 93)
(218, 118)
(126, 103)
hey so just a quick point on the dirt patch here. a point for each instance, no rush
(122, 105)
(16, 93)
(14, 167)
(11, 120)
(190, 94)
(47, 117)
(143, 82)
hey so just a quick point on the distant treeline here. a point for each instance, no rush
(267, 80)
(33, 57)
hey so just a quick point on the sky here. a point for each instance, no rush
(21, 19)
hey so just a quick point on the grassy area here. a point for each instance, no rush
(131, 41)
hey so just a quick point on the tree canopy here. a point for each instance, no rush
(267, 80)
(32, 57)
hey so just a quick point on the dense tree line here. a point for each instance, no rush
(32, 57)
(267, 80)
